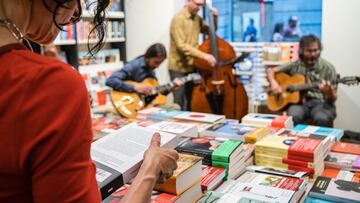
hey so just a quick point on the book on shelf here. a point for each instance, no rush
(212, 177)
(335, 133)
(348, 148)
(353, 176)
(186, 175)
(335, 190)
(177, 128)
(118, 155)
(199, 125)
(227, 151)
(343, 161)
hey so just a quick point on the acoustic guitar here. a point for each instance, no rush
(292, 86)
(128, 104)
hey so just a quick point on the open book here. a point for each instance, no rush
(118, 156)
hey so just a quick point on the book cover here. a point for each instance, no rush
(306, 147)
(177, 128)
(200, 117)
(190, 195)
(282, 122)
(200, 125)
(258, 119)
(257, 134)
(118, 195)
(203, 146)
(315, 200)
(335, 190)
(276, 145)
(335, 133)
(228, 130)
(212, 177)
(278, 171)
(342, 161)
(226, 151)
(164, 114)
(118, 155)
(342, 174)
(181, 179)
(347, 148)
(273, 188)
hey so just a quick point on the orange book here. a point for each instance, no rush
(186, 175)
(347, 148)
(341, 174)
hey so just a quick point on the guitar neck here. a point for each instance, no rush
(304, 87)
(168, 86)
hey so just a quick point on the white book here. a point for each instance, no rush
(201, 117)
(177, 128)
(118, 156)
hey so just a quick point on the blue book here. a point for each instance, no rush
(165, 114)
(315, 200)
(335, 133)
(228, 130)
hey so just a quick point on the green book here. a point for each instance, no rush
(226, 151)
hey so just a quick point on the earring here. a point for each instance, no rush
(15, 31)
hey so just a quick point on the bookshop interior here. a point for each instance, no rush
(231, 101)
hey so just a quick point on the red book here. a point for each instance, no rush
(347, 148)
(304, 147)
(294, 162)
(211, 177)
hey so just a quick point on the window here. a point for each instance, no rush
(256, 20)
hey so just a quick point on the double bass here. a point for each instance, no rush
(219, 92)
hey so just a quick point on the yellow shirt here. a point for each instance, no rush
(184, 36)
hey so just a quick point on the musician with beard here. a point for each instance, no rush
(317, 104)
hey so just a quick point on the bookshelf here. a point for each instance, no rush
(72, 45)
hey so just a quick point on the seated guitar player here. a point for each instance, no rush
(139, 69)
(316, 104)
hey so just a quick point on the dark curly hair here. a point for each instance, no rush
(98, 20)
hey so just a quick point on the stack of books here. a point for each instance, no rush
(258, 187)
(268, 120)
(212, 177)
(353, 176)
(184, 185)
(229, 155)
(326, 140)
(293, 153)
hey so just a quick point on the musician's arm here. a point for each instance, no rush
(271, 76)
(116, 80)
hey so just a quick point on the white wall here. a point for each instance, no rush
(148, 22)
(341, 39)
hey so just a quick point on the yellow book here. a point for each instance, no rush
(256, 135)
(278, 144)
(186, 175)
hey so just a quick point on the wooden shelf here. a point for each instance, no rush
(109, 15)
(94, 68)
(107, 40)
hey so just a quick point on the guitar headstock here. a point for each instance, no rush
(350, 80)
(195, 77)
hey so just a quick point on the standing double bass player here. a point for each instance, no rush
(184, 35)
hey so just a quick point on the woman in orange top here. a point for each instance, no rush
(45, 124)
